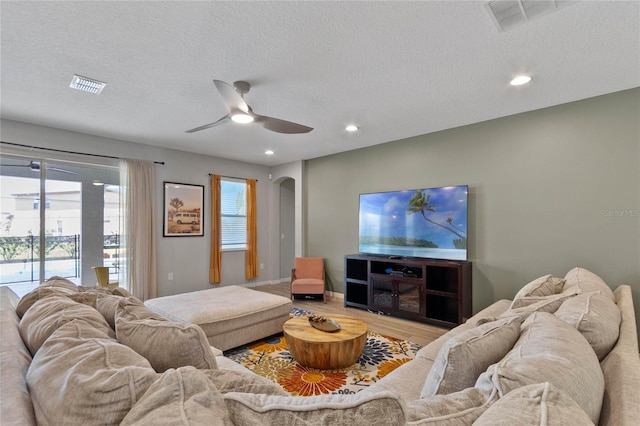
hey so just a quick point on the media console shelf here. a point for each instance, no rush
(428, 290)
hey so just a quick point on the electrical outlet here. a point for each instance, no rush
(262, 266)
(170, 276)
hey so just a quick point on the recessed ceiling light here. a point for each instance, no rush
(351, 128)
(98, 183)
(241, 117)
(520, 80)
(86, 84)
(269, 152)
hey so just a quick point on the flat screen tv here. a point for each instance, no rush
(427, 223)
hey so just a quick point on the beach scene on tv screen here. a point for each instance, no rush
(429, 223)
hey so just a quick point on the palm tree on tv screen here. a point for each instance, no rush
(421, 202)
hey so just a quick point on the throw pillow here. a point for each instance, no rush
(59, 282)
(86, 298)
(580, 280)
(133, 307)
(36, 294)
(79, 377)
(550, 350)
(464, 357)
(454, 409)
(543, 304)
(538, 404)
(107, 305)
(596, 317)
(164, 343)
(48, 314)
(119, 291)
(180, 397)
(546, 285)
(380, 408)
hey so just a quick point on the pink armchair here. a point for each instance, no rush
(308, 277)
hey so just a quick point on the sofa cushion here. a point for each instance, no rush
(538, 404)
(136, 309)
(621, 368)
(544, 304)
(46, 315)
(382, 408)
(16, 407)
(116, 291)
(406, 381)
(596, 317)
(550, 350)
(455, 409)
(82, 376)
(546, 285)
(59, 282)
(488, 314)
(580, 280)
(180, 397)
(464, 357)
(245, 381)
(39, 293)
(107, 305)
(164, 343)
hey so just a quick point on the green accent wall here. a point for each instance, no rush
(549, 190)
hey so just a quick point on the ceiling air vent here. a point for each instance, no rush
(86, 84)
(507, 14)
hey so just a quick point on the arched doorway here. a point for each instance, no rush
(287, 227)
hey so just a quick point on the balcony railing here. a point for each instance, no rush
(19, 257)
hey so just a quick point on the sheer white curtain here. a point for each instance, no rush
(138, 273)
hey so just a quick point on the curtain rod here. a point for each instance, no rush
(69, 152)
(231, 177)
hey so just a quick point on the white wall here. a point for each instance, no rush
(186, 257)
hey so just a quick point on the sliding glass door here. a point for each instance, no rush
(56, 218)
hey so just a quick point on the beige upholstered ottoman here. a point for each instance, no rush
(230, 316)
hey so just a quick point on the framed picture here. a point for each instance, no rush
(183, 210)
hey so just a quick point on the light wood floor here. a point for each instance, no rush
(412, 331)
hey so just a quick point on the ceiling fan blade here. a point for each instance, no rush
(232, 98)
(280, 126)
(35, 166)
(55, 169)
(206, 126)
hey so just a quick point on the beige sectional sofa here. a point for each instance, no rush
(564, 351)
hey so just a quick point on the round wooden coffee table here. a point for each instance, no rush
(322, 350)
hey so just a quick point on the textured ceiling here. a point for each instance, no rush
(395, 69)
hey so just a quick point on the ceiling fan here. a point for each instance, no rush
(35, 166)
(241, 112)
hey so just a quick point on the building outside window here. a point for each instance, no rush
(79, 224)
(233, 207)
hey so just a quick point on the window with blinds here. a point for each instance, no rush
(233, 214)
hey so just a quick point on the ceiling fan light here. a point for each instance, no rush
(520, 80)
(242, 118)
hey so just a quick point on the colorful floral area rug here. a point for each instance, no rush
(271, 358)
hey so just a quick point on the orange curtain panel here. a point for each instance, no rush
(251, 257)
(215, 263)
